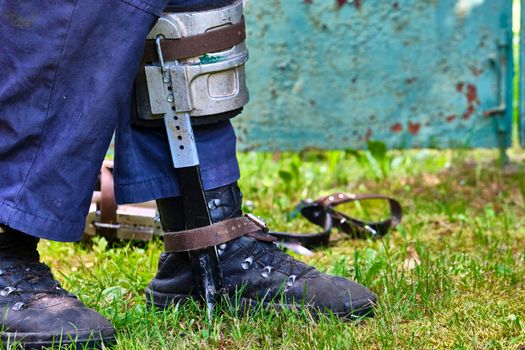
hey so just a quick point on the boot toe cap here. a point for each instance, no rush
(51, 319)
(340, 296)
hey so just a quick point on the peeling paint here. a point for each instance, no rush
(397, 127)
(207, 59)
(468, 113)
(413, 128)
(464, 7)
(317, 73)
(472, 94)
(368, 134)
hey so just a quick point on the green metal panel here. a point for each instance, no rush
(334, 74)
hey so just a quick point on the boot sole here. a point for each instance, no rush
(38, 341)
(364, 308)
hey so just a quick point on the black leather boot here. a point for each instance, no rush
(36, 312)
(259, 270)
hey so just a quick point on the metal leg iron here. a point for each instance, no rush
(195, 74)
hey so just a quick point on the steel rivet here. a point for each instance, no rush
(6, 291)
(291, 280)
(247, 263)
(266, 271)
(220, 249)
(170, 98)
(18, 306)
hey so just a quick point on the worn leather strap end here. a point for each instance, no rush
(212, 235)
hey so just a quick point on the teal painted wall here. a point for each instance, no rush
(333, 74)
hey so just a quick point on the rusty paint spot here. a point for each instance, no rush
(397, 127)
(413, 128)
(357, 4)
(395, 5)
(340, 3)
(472, 93)
(451, 118)
(307, 1)
(410, 80)
(468, 113)
(368, 134)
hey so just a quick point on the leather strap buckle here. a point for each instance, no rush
(258, 221)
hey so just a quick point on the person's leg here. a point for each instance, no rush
(68, 71)
(258, 269)
(144, 171)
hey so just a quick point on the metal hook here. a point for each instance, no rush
(159, 52)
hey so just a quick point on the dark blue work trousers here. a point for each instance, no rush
(66, 74)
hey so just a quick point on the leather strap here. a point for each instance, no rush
(108, 205)
(323, 213)
(212, 235)
(196, 45)
(359, 228)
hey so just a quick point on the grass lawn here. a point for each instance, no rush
(451, 276)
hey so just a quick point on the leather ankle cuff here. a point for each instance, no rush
(223, 202)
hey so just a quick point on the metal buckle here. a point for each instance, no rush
(106, 225)
(372, 231)
(258, 221)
